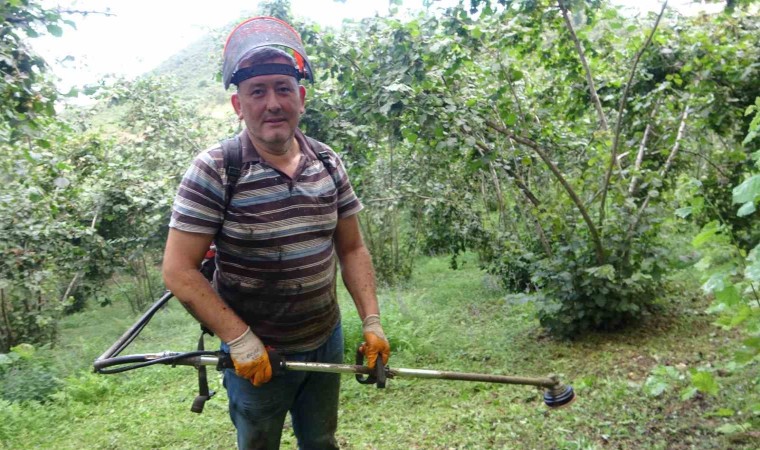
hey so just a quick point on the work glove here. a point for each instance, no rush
(250, 358)
(375, 342)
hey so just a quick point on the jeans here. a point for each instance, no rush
(311, 398)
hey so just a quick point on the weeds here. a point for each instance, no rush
(448, 320)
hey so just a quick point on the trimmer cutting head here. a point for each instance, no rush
(559, 396)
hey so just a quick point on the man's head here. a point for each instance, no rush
(269, 98)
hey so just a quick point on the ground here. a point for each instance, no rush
(443, 319)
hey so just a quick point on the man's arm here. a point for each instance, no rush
(356, 266)
(182, 259)
(359, 278)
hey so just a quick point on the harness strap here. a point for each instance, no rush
(232, 156)
(324, 156)
(204, 394)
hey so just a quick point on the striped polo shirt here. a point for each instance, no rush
(275, 252)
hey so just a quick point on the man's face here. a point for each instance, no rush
(271, 106)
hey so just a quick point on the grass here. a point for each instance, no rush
(446, 320)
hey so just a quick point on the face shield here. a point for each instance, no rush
(262, 32)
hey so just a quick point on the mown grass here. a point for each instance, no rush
(447, 320)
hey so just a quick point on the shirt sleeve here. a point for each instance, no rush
(199, 204)
(348, 203)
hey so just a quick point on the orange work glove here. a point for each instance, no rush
(375, 342)
(250, 358)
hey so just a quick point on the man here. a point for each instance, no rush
(291, 212)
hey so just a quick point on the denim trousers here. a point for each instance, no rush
(311, 398)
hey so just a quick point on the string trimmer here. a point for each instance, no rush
(556, 394)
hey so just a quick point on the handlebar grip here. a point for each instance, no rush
(376, 378)
(380, 372)
(200, 402)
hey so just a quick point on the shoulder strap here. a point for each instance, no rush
(232, 155)
(324, 156)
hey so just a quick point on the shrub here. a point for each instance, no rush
(577, 295)
(24, 376)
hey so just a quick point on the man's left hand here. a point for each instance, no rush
(375, 342)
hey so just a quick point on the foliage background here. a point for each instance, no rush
(562, 152)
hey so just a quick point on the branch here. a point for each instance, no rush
(528, 212)
(399, 197)
(634, 186)
(74, 281)
(582, 56)
(668, 164)
(8, 326)
(679, 136)
(528, 195)
(619, 123)
(557, 174)
(482, 148)
(84, 13)
(708, 161)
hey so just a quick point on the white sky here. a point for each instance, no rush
(144, 33)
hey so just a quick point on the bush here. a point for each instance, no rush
(579, 296)
(24, 376)
(87, 387)
(508, 258)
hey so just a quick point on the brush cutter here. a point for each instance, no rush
(556, 394)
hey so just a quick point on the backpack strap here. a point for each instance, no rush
(232, 156)
(323, 155)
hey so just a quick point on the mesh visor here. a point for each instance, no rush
(262, 32)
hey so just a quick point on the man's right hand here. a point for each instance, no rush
(250, 358)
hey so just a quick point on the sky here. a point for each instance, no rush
(140, 34)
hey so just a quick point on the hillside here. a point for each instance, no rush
(197, 67)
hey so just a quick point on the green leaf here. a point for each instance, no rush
(684, 212)
(746, 209)
(662, 378)
(729, 296)
(55, 30)
(688, 393)
(748, 190)
(25, 351)
(708, 231)
(746, 355)
(752, 271)
(606, 271)
(705, 382)
(654, 387)
(722, 412)
(716, 283)
(731, 428)
(73, 92)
